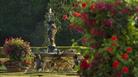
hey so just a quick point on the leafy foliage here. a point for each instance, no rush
(21, 18)
(100, 20)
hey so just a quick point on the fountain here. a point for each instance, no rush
(55, 59)
(52, 30)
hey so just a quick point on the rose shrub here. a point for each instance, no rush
(107, 27)
(99, 19)
(114, 58)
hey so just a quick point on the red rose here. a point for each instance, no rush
(125, 56)
(125, 69)
(114, 38)
(115, 64)
(84, 5)
(76, 14)
(109, 49)
(65, 17)
(129, 50)
(92, 7)
(84, 64)
(84, 16)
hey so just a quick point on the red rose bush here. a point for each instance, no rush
(105, 25)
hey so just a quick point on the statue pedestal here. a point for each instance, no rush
(52, 50)
(63, 62)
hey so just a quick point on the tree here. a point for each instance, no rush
(20, 18)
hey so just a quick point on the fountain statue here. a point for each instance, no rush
(52, 30)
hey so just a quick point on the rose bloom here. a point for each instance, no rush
(65, 17)
(109, 49)
(129, 50)
(125, 69)
(84, 64)
(125, 56)
(114, 38)
(84, 16)
(84, 5)
(92, 7)
(115, 64)
(76, 14)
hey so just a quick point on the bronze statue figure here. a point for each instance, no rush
(52, 30)
(51, 33)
